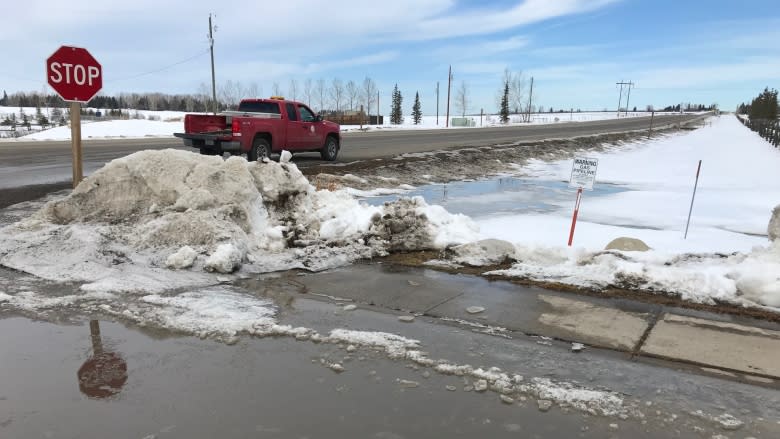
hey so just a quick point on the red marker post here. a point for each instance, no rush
(574, 217)
(583, 176)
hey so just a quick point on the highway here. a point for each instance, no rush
(38, 163)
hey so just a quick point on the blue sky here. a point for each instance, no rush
(675, 51)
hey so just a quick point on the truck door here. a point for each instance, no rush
(297, 131)
(314, 135)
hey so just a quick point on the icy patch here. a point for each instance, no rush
(394, 345)
(596, 402)
(214, 312)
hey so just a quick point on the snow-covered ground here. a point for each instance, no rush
(727, 254)
(132, 128)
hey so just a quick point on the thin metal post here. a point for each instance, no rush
(213, 77)
(449, 86)
(75, 136)
(690, 211)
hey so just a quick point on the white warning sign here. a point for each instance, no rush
(583, 173)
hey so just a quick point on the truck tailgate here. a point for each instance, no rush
(205, 123)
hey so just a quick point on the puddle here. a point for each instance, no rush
(500, 196)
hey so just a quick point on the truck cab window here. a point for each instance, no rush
(306, 114)
(291, 112)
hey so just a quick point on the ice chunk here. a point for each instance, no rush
(184, 258)
(226, 259)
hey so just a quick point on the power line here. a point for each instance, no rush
(197, 55)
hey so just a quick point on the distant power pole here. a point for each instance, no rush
(628, 96)
(449, 86)
(213, 79)
(437, 103)
(621, 84)
(530, 99)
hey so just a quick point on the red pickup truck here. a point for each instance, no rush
(261, 127)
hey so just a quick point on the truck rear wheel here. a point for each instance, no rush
(331, 149)
(260, 149)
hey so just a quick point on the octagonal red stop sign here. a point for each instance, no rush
(74, 74)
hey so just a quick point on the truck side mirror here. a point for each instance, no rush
(318, 118)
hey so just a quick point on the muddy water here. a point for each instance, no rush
(500, 195)
(181, 387)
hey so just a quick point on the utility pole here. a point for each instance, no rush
(628, 97)
(530, 99)
(449, 86)
(437, 103)
(213, 80)
(620, 99)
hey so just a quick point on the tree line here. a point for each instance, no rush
(333, 96)
(763, 106)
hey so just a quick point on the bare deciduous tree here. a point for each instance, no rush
(337, 93)
(517, 86)
(276, 89)
(462, 101)
(368, 93)
(254, 91)
(352, 92)
(308, 91)
(293, 89)
(319, 91)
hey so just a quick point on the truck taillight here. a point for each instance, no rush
(236, 128)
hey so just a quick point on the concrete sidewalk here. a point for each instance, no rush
(723, 344)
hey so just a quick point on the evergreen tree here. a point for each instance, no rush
(764, 106)
(505, 103)
(396, 112)
(4, 101)
(40, 117)
(56, 116)
(416, 110)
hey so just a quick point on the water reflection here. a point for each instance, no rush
(500, 195)
(103, 374)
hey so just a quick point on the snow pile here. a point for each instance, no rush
(774, 225)
(177, 209)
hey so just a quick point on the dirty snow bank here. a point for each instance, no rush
(123, 225)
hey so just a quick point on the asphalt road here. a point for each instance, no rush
(48, 163)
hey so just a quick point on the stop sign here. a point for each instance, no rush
(74, 74)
